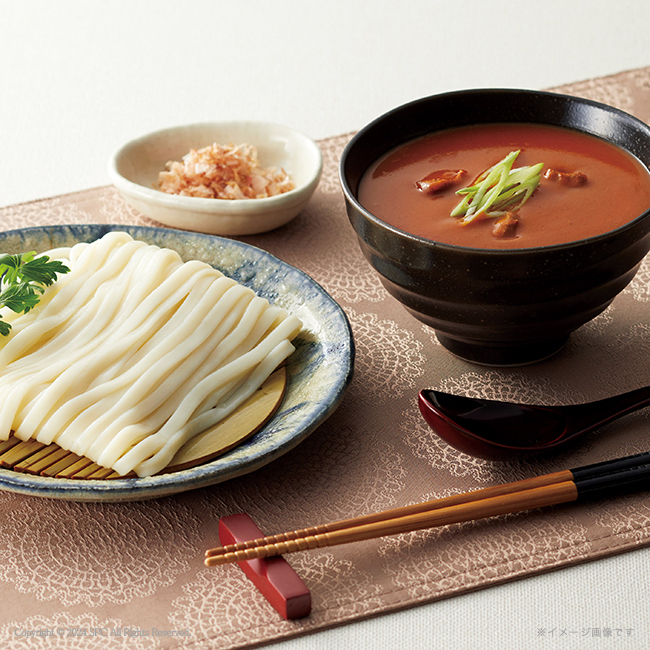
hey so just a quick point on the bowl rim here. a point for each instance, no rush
(491, 252)
(242, 207)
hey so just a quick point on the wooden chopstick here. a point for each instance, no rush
(536, 497)
(549, 489)
(456, 499)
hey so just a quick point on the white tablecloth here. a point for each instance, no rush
(78, 78)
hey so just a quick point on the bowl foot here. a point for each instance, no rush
(494, 354)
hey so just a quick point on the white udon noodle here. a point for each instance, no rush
(134, 352)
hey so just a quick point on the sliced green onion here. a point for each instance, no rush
(498, 190)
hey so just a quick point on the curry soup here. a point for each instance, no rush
(587, 186)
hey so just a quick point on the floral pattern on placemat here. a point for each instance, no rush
(92, 566)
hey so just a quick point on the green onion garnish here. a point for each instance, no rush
(498, 190)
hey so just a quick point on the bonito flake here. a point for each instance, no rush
(223, 172)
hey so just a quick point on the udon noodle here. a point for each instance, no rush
(134, 352)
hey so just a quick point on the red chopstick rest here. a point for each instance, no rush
(274, 577)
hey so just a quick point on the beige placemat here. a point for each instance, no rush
(132, 569)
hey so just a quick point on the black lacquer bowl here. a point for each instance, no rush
(488, 306)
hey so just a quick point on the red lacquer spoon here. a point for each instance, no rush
(504, 430)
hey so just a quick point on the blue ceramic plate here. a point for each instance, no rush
(319, 370)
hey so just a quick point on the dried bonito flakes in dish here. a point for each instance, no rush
(223, 172)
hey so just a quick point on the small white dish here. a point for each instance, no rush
(134, 170)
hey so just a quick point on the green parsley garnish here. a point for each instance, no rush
(23, 279)
(498, 190)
